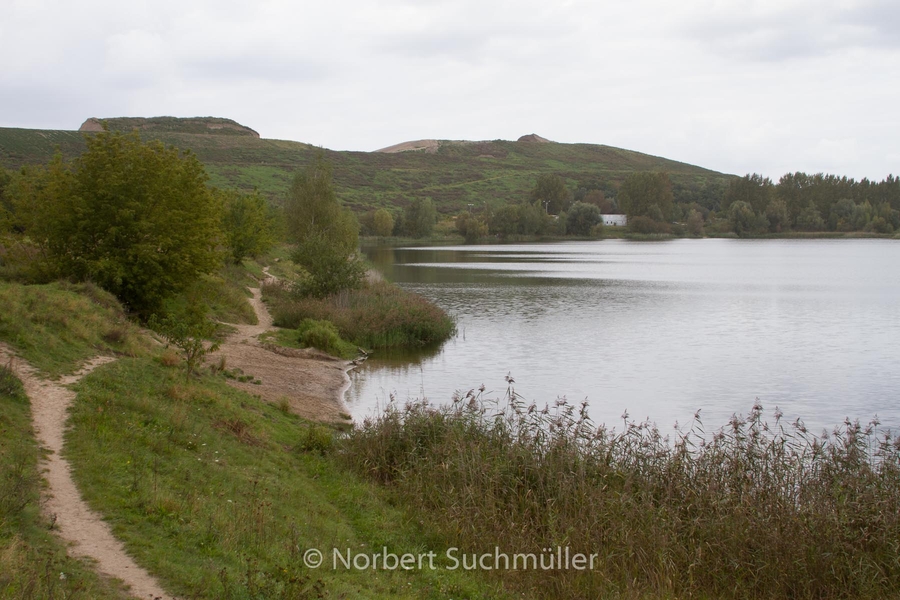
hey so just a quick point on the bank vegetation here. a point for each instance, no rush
(758, 509)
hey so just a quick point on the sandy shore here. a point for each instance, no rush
(310, 382)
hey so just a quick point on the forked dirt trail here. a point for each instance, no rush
(89, 535)
(310, 382)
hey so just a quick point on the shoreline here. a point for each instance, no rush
(310, 383)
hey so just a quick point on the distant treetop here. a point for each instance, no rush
(195, 125)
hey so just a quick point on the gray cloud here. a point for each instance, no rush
(795, 30)
(881, 20)
(803, 84)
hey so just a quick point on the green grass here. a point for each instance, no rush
(287, 338)
(58, 326)
(220, 494)
(756, 511)
(290, 338)
(225, 293)
(324, 336)
(33, 561)
(378, 315)
(214, 491)
(457, 175)
(278, 261)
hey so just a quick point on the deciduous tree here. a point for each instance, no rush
(136, 218)
(550, 192)
(810, 219)
(755, 190)
(741, 217)
(382, 223)
(470, 227)
(581, 218)
(777, 215)
(419, 218)
(326, 234)
(248, 224)
(640, 192)
(695, 223)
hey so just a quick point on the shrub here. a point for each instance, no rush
(316, 438)
(324, 336)
(582, 218)
(646, 225)
(378, 315)
(9, 383)
(188, 331)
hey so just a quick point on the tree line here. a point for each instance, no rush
(754, 204)
(654, 204)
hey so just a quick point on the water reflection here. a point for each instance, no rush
(659, 329)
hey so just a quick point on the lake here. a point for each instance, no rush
(657, 329)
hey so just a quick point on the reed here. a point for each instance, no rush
(755, 510)
(378, 315)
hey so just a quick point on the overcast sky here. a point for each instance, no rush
(766, 86)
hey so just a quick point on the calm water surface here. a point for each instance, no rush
(660, 329)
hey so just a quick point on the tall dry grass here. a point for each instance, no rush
(756, 510)
(378, 315)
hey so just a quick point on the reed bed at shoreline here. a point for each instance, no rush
(377, 315)
(755, 510)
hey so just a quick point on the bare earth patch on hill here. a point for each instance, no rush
(429, 146)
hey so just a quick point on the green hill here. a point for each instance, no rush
(453, 173)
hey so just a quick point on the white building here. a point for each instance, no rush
(615, 220)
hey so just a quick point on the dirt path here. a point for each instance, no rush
(310, 382)
(89, 535)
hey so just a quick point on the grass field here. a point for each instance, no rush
(220, 494)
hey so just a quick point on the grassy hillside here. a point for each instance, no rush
(218, 493)
(457, 174)
(33, 561)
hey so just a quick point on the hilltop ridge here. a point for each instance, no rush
(191, 125)
(432, 146)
